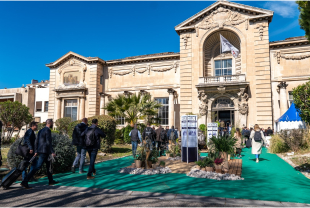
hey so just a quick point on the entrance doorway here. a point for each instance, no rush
(223, 109)
(227, 116)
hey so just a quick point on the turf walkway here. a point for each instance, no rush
(271, 179)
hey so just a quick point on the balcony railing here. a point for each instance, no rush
(222, 79)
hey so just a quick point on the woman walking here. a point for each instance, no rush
(238, 146)
(258, 139)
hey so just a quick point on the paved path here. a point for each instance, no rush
(53, 196)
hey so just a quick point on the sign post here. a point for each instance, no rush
(189, 138)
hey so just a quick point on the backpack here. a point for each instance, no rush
(257, 136)
(247, 133)
(163, 136)
(172, 136)
(90, 139)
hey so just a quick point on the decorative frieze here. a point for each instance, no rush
(185, 39)
(142, 70)
(260, 28)
(63, 87)
(278, 55)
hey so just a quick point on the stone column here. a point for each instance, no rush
(171, 107)
(102, 103)
(58, 110)
(209, 115)
(82, 107)
(283, 98)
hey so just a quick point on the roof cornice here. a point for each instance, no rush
(288, 43)
(143, 59)
(69, 55)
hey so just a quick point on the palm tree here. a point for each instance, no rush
(133, 107)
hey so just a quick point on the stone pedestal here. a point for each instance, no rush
(283, 98)
(171, 107)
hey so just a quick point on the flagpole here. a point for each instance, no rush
(220, 45)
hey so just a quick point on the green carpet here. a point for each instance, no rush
(271, 179)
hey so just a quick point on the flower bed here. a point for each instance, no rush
(140, 171)
(213, 175)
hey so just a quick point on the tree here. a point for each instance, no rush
(301, 97)
(14, 115)
(304, 16)
(133, 107)
(62, 125)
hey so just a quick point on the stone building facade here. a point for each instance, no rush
(250, 89)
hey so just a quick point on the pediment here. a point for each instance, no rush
(223, 13)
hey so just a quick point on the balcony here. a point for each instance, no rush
(227, 80)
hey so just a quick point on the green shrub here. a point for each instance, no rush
(62, 125)
(223, 144)
(277, 144)
(108, 125)
(202, 127)
(41, 126)
(119, 139)
(126, 131)
(293, 138)
(65, 153)
(233, 131)
(208, 162)
(71, 127)
(55, 131)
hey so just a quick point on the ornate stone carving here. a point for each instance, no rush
(282, 85)
(84, 70)
(110, 72)
(127, 93)
(133, 70)
(277, 54)
(166, 68)
(243, 101)
(185, 39)
(71, 62)
(300, 56)
(171, 91)
(63, 87)
(221, 89)
(143, 92)
(221, 17)
(203, 106)
(260, 28)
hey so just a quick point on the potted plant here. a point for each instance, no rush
(209, 162)
(162, 164)
(154, 158)
(199, 164)
(218, 166)
(138, 161)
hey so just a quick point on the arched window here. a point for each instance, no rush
(223, 103)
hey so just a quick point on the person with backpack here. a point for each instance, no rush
(172, 135)
(258, 139)
(161, 138)
(135, 135)
(246, 135)
(78, 141)
(150, 133)
(92, 144)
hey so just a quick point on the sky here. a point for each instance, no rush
(33, 34)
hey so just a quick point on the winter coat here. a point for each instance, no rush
(158, 137)
(257, 146)
(29, 139)
(77, 139)
(152, 134)
(238, 143)
(98, 134)
(175, 134)
(43, 142)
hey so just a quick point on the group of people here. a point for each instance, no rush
(224, 128)
(159, 137)
(86, 139)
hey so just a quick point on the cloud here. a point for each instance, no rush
(286, 9)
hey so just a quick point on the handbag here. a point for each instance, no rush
(22, 150)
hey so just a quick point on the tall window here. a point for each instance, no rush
(120, 120)
(71, 109)
(39, 106)
(163, 112)
(290, 98)
(223, 67)
(46, 106)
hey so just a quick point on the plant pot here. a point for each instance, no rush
(203, 169)
(138, 163)
(209, 169)
(154, 166)
(218, 168)
(224, 155)
(167, 155)
(133, 165)
(149, 164)
(198, 167)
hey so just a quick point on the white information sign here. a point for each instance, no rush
(189, 131)
(212, 130)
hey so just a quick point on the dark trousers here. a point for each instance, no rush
(42, 159)
(159, 147)
(245, 139)
(92, 155)
(33, 165)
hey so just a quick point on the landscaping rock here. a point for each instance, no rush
(140, 171)
(213, 175)
(174, 158)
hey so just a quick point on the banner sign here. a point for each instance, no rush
(189, 130)
(212, 130)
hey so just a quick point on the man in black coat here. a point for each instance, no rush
(43, 147)
(150, 133)
(29, 139)
(92, 144)
(78, 141)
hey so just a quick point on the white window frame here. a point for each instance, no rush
(163, 105)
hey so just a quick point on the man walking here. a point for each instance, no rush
(269, 132)
(78, 141)
(92, 144)
(172, 134)
(246, 134)
(135, 135)
(29, 140)
(161, 138)
(43, 147)
(150, 133)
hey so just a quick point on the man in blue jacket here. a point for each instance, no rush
(78, 141)
(92, 144)
(29, 140)
(43, 147)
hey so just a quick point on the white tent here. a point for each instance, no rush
(290, 120)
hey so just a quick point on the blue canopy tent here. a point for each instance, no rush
(290, 120)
